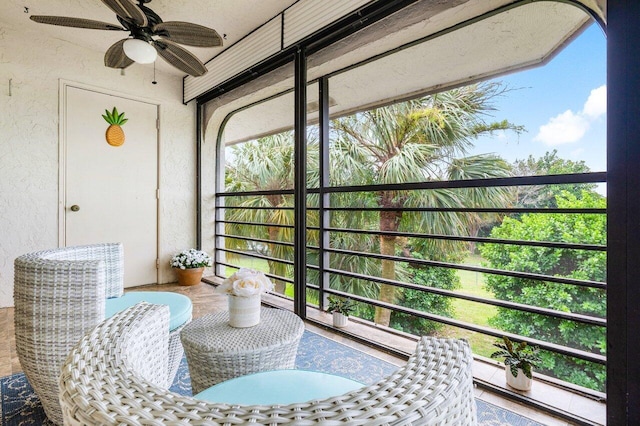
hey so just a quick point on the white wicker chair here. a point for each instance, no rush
(108, 379)
(59, 296)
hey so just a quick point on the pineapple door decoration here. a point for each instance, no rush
(115, 134)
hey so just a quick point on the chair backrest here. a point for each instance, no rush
(103, 383)
(111, 253)
(59, 295)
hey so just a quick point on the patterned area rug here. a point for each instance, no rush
(19, 405)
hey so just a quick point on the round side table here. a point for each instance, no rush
(217, 352)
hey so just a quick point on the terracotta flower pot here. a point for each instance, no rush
(190, 276)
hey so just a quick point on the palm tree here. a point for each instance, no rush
(421, 140)
(266, 164)
(472, 168)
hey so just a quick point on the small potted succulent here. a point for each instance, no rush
(340, 308)
(519, 359)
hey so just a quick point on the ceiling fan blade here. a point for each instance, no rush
(179, 57)
(115, 57)
(189, 34)
(127, 10)
(65, 21)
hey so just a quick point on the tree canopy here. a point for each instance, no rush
(421, 140)
(579, 228)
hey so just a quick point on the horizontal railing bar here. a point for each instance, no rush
(514, 210)
(548, 244)
(596, 177)
(237, 222)
(479, 239)
(584, 319)
(515, 274)
(254, 208)
(258, 256)
(251, 193)
(572, 178)
(563, 350)
(257, 240)
(272, 276)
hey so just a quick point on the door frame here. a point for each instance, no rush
(62, 157)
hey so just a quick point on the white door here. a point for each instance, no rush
(111, 191)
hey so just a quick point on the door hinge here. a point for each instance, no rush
(158, 193)
(158, 123)
(157, 263)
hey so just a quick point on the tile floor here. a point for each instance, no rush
(206, 301)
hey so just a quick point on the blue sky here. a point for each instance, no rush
(562, 106)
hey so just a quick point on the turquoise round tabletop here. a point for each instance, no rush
(279, 387)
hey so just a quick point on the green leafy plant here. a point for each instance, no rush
(579, 228)
(520, 356)
(340, 305)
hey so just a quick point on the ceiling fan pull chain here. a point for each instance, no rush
(154, 74)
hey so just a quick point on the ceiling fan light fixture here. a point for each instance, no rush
(139, 51)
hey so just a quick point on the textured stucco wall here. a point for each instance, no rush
(29, 144)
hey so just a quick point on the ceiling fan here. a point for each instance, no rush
(149, 36)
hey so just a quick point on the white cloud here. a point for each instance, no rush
(564, 128)
(596, 104)
(570, 127)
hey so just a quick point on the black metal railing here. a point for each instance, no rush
(322, 272)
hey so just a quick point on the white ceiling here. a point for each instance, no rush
(517, 38)
(235, 18)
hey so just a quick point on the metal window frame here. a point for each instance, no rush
(623, 148)
(623, 234)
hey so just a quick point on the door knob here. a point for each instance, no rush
(75, 208)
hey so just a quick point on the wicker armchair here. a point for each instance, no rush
(108, 379)
(59, 296)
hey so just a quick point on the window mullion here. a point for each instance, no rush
(324, 197)
(300, 184)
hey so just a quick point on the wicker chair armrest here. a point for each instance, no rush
(434, 388)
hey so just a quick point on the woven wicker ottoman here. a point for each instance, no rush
(217, 352)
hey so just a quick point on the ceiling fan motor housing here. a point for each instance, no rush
(144, 33)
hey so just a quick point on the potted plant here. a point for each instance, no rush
(189, 265)
(340, 308)
(519, 360)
